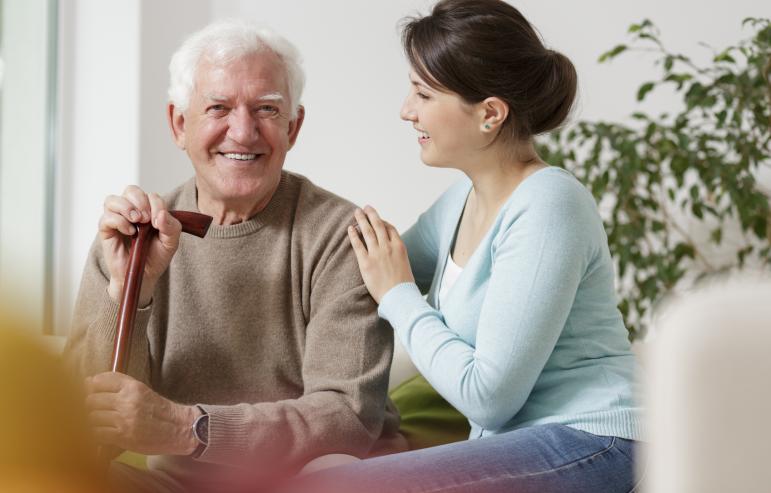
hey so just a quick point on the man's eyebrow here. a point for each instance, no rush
(274, 96)
(216, 98)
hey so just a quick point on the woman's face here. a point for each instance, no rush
(448, 127)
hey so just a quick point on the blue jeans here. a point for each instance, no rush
(538, 459)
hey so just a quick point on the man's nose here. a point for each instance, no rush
(243, 126)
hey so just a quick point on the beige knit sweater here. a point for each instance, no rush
(267, 325)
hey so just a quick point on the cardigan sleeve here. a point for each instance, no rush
(423, 252)
(423, 238)
(538, 259)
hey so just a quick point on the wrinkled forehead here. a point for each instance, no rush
(261, 71)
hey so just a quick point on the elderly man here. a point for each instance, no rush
(258, 345)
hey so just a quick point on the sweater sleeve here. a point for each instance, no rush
(347, 357)
(538, 260)
(88, 349)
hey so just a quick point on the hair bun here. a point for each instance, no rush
(559, 93)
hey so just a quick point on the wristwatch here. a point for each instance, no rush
(201, 433)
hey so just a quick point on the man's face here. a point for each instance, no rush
(237, 129)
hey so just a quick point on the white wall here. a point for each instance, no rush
(113, 59)
(353, 141)
(24, 109)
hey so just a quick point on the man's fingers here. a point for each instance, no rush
(111, 222)
(370, 239)
(101, 401)
(106, 434)
(169, 229)
(107, 382)
(156, 206)
(167, 225)
(377, 224)
(124, 207)
(104, 419)
(139, 200)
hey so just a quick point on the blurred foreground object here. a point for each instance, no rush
(45, 439)
(709, 395)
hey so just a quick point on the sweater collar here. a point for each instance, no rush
(189, 201)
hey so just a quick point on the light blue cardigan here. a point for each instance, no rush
(530, 333)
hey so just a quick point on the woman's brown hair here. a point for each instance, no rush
(483, 48)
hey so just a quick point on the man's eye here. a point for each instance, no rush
(267, 110)
(216, 108)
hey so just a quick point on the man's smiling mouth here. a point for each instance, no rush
(240, 156)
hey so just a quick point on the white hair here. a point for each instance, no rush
(225, 41)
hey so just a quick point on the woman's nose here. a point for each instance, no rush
(407, 112)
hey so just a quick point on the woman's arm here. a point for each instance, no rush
(423, 251)
(538, 263)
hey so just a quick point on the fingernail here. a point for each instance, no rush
(134, 216)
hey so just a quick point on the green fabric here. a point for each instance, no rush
(133, 459)
(427, 419)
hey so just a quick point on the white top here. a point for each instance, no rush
(451, 274)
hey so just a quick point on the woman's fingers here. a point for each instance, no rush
(393, 233)
(358, 246)
(370, 238)
(377, 225)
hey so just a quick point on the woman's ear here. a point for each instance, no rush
(494, 112)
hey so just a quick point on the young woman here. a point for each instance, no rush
(520, 330)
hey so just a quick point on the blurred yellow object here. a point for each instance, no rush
(45, 443)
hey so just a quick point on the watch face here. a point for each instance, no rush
(202, 429)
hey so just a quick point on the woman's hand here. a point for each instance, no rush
(382, 255)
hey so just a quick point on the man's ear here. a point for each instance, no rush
(294, 125)
(177, 124)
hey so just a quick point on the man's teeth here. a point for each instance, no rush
(240, 157)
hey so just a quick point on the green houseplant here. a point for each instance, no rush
(660, 178)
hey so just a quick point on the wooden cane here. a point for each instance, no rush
(192, 223)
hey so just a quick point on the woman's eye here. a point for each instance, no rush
(422, 95)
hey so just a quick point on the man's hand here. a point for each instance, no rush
(382, 256)
(117, 224)
(126, 413)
